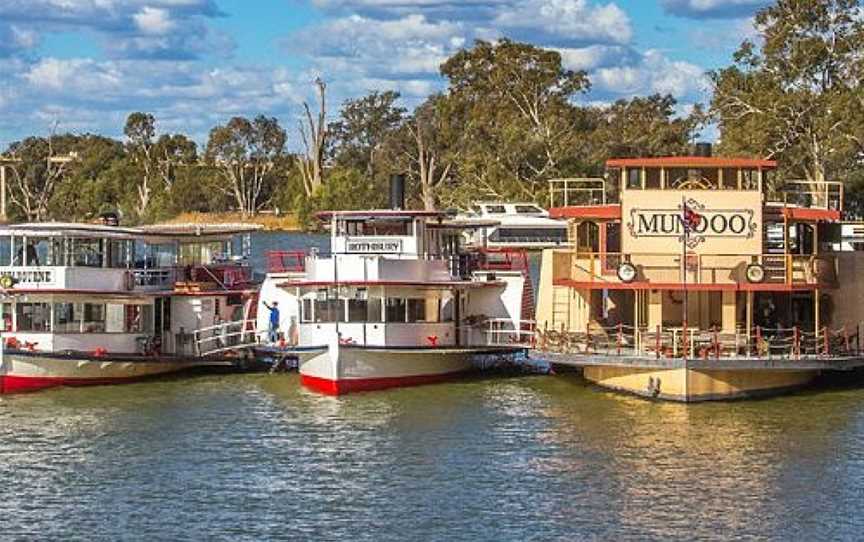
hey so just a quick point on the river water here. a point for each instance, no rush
(252, 457)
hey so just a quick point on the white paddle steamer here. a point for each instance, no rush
(87, 304)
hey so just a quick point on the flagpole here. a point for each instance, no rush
(685, 224)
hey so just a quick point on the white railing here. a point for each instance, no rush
(226, 337)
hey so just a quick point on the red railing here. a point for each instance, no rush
(226, 276)
(502, 259)
(286, 261)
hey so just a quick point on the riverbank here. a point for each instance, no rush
(270, 222)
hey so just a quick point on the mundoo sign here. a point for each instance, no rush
(714, 223)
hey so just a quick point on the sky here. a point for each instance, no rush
(83, 65)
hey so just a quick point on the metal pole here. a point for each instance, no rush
(684, 270)
(3, 192)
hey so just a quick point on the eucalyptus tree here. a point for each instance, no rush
(510, 106)
(247, 156)
(794, 93)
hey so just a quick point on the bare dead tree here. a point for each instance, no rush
(313, 134)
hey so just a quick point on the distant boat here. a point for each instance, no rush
(516, 225)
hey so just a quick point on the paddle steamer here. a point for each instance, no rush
(701, 277)
(84, 304)
(397, 301)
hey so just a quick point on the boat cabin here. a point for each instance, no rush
(391, 278)
(88, 287)
(697, 244)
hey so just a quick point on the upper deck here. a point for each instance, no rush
(82, 258)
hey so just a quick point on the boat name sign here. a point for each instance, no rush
(32, 277)
(368, 245)
(713, 223)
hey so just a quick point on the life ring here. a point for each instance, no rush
(100, 352)
(7, 281)
(12, 343)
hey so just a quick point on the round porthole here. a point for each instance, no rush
(627, 272)
(755, 273)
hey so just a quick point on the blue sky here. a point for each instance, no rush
(86, 64)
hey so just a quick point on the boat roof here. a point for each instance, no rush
(381, 213)
(77, 229)
(692, 161)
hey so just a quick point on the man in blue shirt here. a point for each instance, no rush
(273, 331)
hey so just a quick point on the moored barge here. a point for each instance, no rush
(699, 278)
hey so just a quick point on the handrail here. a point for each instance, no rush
(794, 343)
(789, 269)
(594, 187)
(226, 339)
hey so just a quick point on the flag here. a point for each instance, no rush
(692, 219)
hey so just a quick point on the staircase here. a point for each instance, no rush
(560, 307)
(775, 268)
(527, 301)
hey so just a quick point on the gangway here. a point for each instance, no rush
(226, 337)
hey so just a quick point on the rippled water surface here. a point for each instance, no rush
(252, 457)
(533, 458)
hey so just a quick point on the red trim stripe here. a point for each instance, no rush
(351, 385)
(22, 384)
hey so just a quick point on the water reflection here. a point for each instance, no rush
(257, 456)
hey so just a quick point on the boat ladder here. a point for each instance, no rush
(226, 337)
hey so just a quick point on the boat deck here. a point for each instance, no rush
(741, 363)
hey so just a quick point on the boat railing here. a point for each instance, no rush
(623, 340)
(160, 278)
(571, 266)
(578, 191)
(286, 261)
(499, 331)
(812, 194)
(500, 259)
(226, 337)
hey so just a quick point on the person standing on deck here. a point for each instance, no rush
(273, 331)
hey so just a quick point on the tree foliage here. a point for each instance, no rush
(794, 94)
(247, 155)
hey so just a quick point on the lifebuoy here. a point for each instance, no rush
(7, 281)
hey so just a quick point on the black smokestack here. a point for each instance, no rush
(397, 192)
(703, 149)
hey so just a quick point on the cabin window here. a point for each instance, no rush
(358, 309)
(87, 252)
(38, 252)
(730, 179)
(416, 310)
(5, 250)
(306, 310)
(328, 308)
(652, 178)
(138, 318)
(528, 210)
(379, 227)
(94, 318)
(35, 317)
(203, 253)
(118, 254)
(395, 309)
(6, 316)
(634, 179)
(749, 179)
(67, 318)
(495, 209)
(476, 210)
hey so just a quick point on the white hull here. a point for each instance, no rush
(30, 372)
(343, 369)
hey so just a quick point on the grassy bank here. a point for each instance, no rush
(271, 222)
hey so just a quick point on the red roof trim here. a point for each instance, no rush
(440, 284)
(603, 212)
(380, 212)
(743, 287)
(691, 161)
(811, 215)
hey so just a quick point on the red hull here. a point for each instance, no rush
(341, 387)
(23, 384)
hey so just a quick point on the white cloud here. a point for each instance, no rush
(152, 20)
(706, 9)
(75, 75)
(569, 20)
(654, 73)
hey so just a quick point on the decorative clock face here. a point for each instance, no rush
(755, 273)
(627, 272)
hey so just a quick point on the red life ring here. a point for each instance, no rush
(100, 352)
